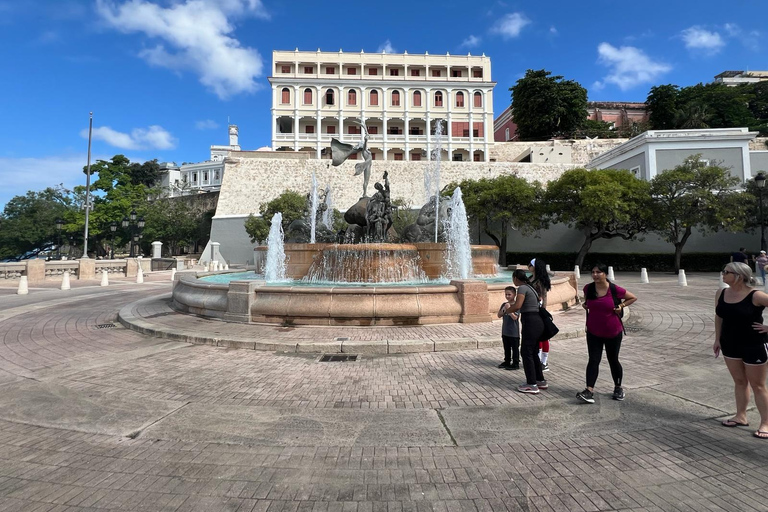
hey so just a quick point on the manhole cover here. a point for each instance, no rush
(105, 326)
(338, 358)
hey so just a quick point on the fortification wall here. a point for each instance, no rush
(758, 144)
(249, 182)
(582, 151)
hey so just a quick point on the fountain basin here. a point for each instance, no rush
(254, 301)
(431, 257)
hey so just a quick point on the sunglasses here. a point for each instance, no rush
(724, 272)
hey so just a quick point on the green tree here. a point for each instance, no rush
(662, 105)
(291, 204)
(500, 204)
(28, 222)
(696, 195)
(544, 106)
(604, 203)
(173, 222)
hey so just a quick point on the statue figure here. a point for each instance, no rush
(423, 230)
(341, 152)
(378, 215)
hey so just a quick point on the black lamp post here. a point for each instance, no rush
(760, 182)
(137, 226)
(113, 228)
(59, 224)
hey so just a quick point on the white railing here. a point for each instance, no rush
(111, 266)
(12, 270)
(57, 268)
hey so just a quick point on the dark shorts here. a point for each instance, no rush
(750, 353)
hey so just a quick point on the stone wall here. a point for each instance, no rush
(758, 144)
(582, 151)
(249, 182)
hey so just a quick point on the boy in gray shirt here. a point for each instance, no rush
(510, 332)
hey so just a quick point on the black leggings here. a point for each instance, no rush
(595, 347)
(533, 327)
(511, 349)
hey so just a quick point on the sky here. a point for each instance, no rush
(163, 77)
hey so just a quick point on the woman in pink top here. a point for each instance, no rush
(604, 329)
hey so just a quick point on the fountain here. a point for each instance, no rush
(433, 275)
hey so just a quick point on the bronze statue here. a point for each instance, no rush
(378, 215)
(341, 152)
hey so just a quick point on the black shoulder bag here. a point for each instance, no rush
(550, 329)
(592, 294)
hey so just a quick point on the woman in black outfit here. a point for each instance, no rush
(740, 335)
(527, 302)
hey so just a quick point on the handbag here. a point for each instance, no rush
(550, 329)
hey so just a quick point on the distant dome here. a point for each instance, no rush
(264, 148)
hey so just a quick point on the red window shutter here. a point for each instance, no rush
(307, 96)
(478, 100)
(286, 96)
(417, 99)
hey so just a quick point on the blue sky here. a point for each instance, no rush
(163, 76)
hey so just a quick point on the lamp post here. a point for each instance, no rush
(59, 224)
(113, 228)
(137, 226)
(760, 182)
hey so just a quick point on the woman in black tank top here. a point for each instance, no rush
(741, 336)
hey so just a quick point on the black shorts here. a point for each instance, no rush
(750, 353)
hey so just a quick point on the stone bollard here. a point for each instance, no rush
(611, 276)
(226, 266)
(65, 281)
(23, 286)
(173, 274)
(576, 272)
(104, 277)
(548, 269)
(139, 276)
(681, 280)
(722, 284)
(644, 275)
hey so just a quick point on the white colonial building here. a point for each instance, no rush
(318, 95)
(198, 178)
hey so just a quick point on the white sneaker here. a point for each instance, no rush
(545, 367)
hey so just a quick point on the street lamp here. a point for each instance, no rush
(760, 182)
(59, 223)
(113, 228)
(137, 225)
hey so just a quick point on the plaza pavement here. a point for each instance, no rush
(95, 416)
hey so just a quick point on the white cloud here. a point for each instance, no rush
(470, 42)
(198, 35)
(697, 38)
(749, 38)
(553, 30)
(386, 47)
(153, 137)
(206, 124)
(629, 67)
(510, 25)
(19, 175)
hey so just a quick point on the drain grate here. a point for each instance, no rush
(105, 326)
(342, 339)
(338, 358)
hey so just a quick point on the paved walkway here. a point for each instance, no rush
(96, 417)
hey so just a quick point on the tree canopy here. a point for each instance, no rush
(604, 203)
(291, 204)
(28, 222)
(696, 195)
(544, 106)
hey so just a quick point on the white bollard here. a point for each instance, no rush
(104, 278)
(548, 269)
(226, 266)
(576, 272)
(205, 268)
(681, 280)
(173, 274)
(23, 286)
(139, 276)
(611, 276)
(722, 284)
(65, 281)
(644, 275)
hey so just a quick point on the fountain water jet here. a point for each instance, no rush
(275, 268)
(458, 258)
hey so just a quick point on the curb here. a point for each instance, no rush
(135, 323)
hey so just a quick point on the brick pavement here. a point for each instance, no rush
(109, 419)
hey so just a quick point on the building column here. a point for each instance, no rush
(449, 124)
(486, 144)
(471, 136)
(274, 121)
(341, 113)
(384, 99)
(428, 99)
(318, 134)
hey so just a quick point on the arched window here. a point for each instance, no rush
(285, 96)
(374, 98)
(395, 98)
(438, 99)
(352, 97)
(459, 99)
(417, 99)
(478, 100)
(307, 96)
(329, 97)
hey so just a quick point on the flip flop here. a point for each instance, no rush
(761, 434)
(734, 423)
